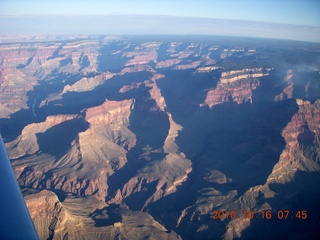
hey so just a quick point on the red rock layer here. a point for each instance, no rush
(26, 143)
(235, 86)
(302, 136)
(224, 93)
(22, 66)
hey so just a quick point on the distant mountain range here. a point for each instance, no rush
(164, 137)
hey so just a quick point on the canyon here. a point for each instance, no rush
(145, 137)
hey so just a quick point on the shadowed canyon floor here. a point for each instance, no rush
(148, 137)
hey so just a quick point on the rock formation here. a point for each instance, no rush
(87, 84)
(23, 67)
(235, 86)
(131, 138)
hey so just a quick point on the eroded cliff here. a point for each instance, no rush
(114, 139)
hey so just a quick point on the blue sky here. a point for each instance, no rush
(301, 12)
(260, 18)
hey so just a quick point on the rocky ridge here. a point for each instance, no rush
(108, 137)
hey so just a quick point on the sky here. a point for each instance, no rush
(296, 12)
(302, 12)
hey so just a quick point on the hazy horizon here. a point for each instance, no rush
(295, 12)
(281, 19)
(119, 24)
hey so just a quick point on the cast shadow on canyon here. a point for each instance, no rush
(107, 216)
(301, 194)
(242, 141)
(57, 139)
(151, 129)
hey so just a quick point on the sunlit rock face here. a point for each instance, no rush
(302, 141)
(147, 137)
(23, 66)
(236, 86)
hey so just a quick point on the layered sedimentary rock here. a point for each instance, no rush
(116, 142)
(70, 219)
(26, 143)
(103, 145)
(87, 84)
(140, 58)
(14, 86)
(143, 54)
(160, 178)
(168, 63)
(187, 66)
(127, 88)
(300, 157)
(108, 138)
(155, 92)
(234, 76)
(22, 67)
(48, 215)
(302, 136)
(207, 69)
(235, 86)
(136, 68)
(239, 94)
(282, 190)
